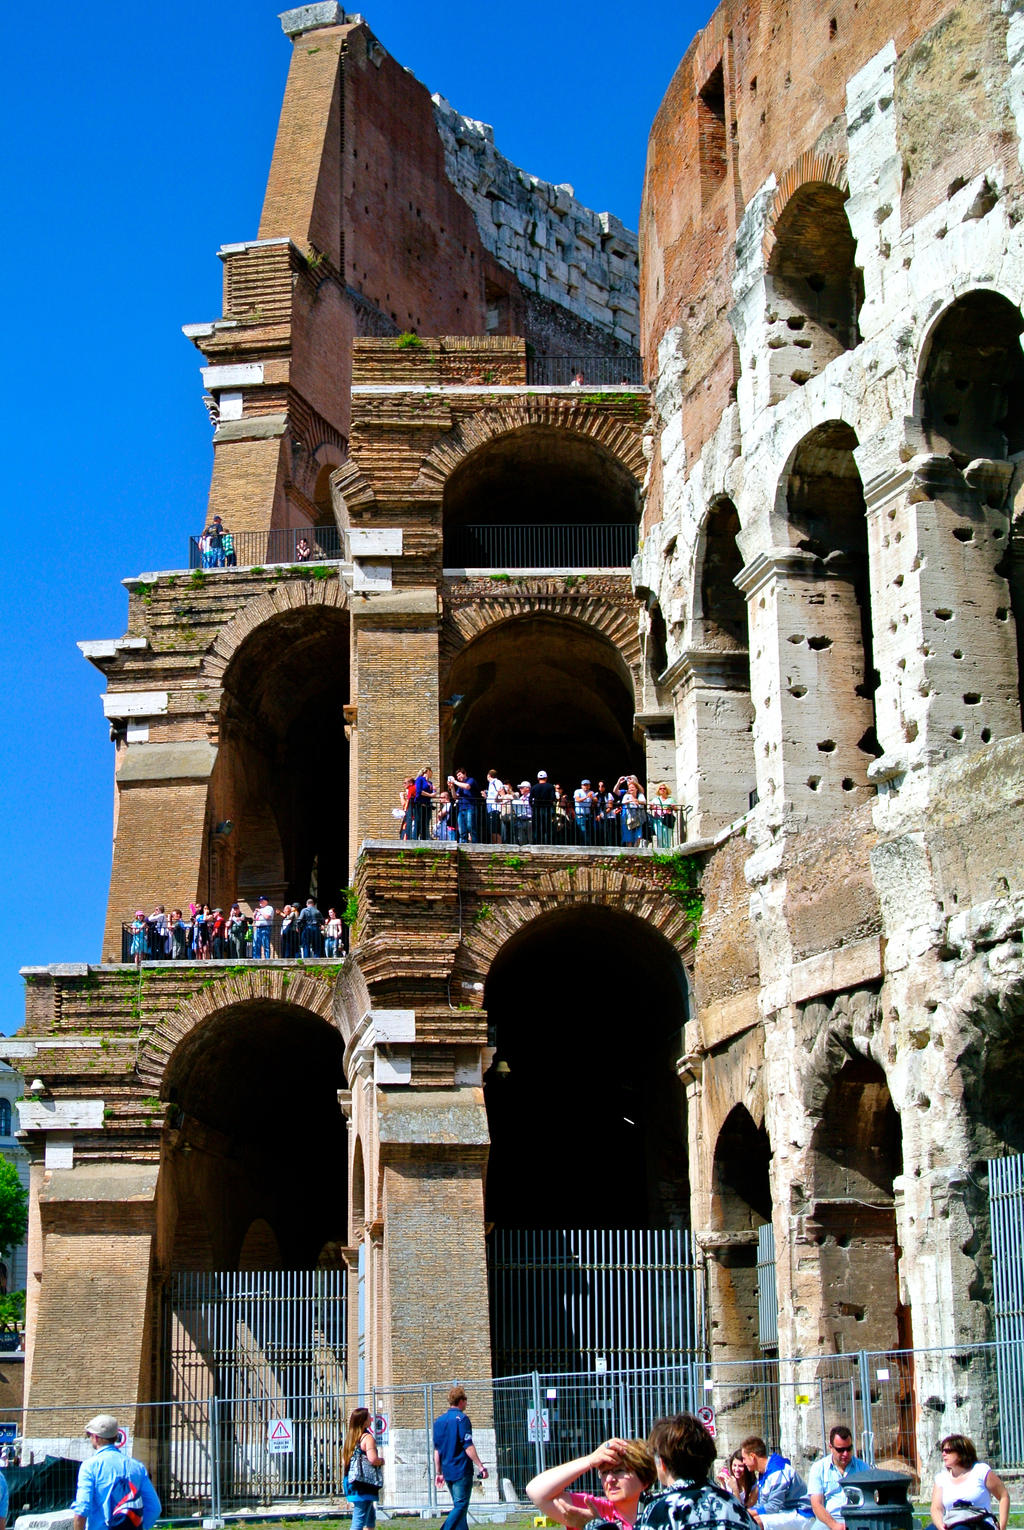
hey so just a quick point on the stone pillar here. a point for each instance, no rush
(807, 660)
(941, 610)
(659, 749)
(395, 689)
(714, 730)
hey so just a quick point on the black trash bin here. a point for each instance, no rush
(877, 1500)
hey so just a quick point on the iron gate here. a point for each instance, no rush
(258, 1348)
(1006, 1216)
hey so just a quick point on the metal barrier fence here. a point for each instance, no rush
(518, 821)
(281, 1445)
(278, 943)
(252, 549)
(588, 371)
(552, 545)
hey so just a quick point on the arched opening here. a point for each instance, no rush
(540, 497)
(542, 693)
(971, 402)
(856, 1158)
(972, 386)
(241, 1084)
(827, 670)
(282, 775)
(815, 289)
(326, 539)
(576, 1099)
(723, 610)
(252, 1187)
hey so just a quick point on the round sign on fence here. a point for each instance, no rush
(706, 1415)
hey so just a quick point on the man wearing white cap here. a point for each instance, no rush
(114, 1491)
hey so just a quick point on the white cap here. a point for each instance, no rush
(104, 1425)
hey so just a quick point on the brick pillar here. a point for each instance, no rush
(395, 684)
(97, 1223)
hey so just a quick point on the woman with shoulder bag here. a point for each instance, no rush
(965, 1487)
(362, 1462)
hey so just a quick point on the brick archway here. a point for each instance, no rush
(255, 985)
(534, 597)
(813, 168)
(292, 595)
(475, 431)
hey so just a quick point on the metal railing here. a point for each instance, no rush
(585, 371)
(518, 821)
(268, 942)
(552, 545)
(253, 549)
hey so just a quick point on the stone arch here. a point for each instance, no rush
(359, 1211)
(293, 595)
(256, 984)
(719, 614)
(849, 1027)
(616, 621)
(605, 885)
(970, 364)
(351, 491)
(813, 287)
(351, 1001)
(472, 432)
(260, 1249)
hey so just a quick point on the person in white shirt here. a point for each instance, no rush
(825, 1478)
(966, 1483)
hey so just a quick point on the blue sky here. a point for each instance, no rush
(137, 140)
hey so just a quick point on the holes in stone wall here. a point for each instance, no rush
(815, 291)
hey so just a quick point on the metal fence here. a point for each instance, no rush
(213, 1454)
(585, 371)
(546, 545)
(517, 821)
(253, 549)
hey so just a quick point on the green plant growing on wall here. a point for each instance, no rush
(197, 579)
(409, 340)
(483, 912)
(350, 913)
(681, 876)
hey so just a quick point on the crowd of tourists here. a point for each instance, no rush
(665, 1482)
(211, 934)
(217, 546)
(537, 812)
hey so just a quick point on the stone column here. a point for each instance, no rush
(807, 660)
(714, 730)
(941, 612)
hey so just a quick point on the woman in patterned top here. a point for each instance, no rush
(683, 1454)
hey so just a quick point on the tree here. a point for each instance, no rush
(13, 1208)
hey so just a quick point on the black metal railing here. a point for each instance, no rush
(519, 821)
(585, 371)
(559, 545)
(252, 549)
(253, 943)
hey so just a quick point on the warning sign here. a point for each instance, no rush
(538, 1425)
(279, 1437)
(707, 1418)
(381, 1425)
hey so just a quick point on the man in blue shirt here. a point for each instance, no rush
(102, 1481)
(454, 1458)
(825, 1478)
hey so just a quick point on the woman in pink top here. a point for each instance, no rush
(625, 1467)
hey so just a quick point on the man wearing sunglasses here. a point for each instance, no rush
(825, 1478)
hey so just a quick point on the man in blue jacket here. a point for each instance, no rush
(454, 1458)
(113, 1489)
(782, 1499)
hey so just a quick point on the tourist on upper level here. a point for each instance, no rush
(158, 944)
(310, 924)
(626, 1469)
(303, 551)
(289, 931)
(333, 932)
(139, 937)
(542, 803)
(632, 806)
(237, 932)
(522, 814)
(584, 799)
(662, 811)
(463, 792)
(216, 535)
(262, 921)
(606, 816)
(444, 818)
(423, 796)
(565, 821)
(203, 547)
(408, 797)
(492, 798)
(218, 935)
(200, 942)
(228, 545)
(179, 936)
